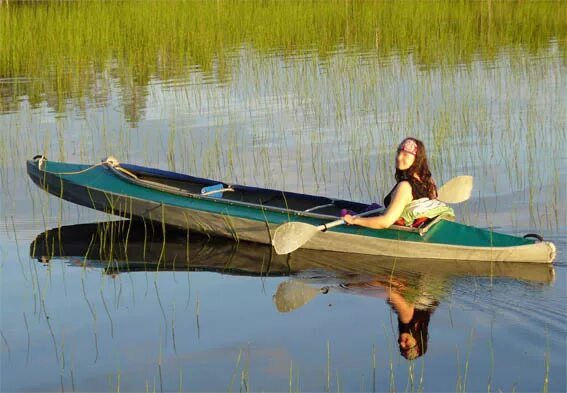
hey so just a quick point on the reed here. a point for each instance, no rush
(83, 40)
(236, 367)
(545, 388)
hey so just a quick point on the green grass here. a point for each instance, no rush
(56, 51)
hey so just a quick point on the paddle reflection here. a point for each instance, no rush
(413, 288)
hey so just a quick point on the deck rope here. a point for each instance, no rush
(110, 161)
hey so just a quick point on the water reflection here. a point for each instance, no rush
(413, 288)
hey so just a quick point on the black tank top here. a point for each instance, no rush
(418, 190)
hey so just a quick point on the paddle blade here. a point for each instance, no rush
(293, 294)
(290, 236)
(456, 190)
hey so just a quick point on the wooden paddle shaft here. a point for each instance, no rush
(332, 224)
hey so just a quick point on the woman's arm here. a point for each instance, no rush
(401, 197)
(404, 308)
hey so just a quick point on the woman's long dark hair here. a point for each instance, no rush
(418, 327)
(420, 167)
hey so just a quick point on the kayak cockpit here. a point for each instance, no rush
(185, 184)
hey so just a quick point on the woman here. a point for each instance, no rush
(413, 181)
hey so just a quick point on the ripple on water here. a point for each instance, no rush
(531, 306)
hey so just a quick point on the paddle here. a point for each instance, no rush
(290, 236)
(456, 190)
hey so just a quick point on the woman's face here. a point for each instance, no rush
(404, 160)
(406, 341)
(408, 346)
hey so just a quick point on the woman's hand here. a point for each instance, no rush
(349, 219)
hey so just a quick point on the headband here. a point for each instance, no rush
(409, 145)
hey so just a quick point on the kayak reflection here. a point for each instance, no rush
(413, 288)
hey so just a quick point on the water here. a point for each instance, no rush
(210, 315)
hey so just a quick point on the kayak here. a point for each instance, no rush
(246, 213)
(128, 246)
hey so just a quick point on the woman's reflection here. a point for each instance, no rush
(412, 300)
(413, 325)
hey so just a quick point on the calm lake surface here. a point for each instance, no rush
(301, 97)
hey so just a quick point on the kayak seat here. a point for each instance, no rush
(422, 225)
(422, 222)
(418, 222)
